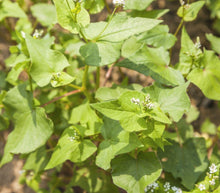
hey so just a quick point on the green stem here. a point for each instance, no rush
(109, 21)
(97, 77)
(30, 82)
(175, 34)
(75, 86)
(84, 88)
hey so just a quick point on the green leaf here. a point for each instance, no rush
(45, 62)
(207, 79)
(61, 79)
(190, 157)
(18, 101)
(87, 117)
(137, 4)
(154, 14)
(4, 123)
(109, 52)
(45, 13)
(159, 36)
(174, 101)
(37, 160)
(113, 93)
(117, 141)
(190, 13)
(215, 42)
(120, 28)
(9, 9)
(92, 179)
(130, 115)
(32, 130)
(70, 147)
(189, 55)
(90, 52)
(134, 174)
(69, 20)
(94, 6)
(153, 62)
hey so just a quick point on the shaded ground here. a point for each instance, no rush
(9, 174)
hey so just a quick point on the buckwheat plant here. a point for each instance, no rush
(72, 124)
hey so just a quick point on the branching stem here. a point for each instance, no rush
(60, 97)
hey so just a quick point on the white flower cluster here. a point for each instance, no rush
(38, 33)
(119, 2)
(213, 169)
(166, 186)
(74, 137)
(198, 43)
(135, 101)
(146, 103)
(182, 2)
(176, 190)
(151, 187)
(201, 187)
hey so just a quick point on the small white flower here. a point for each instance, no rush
(38, 33)
(71, 138)
(182, 2)
(166, 186)
(147, 98)
(213, 169)
(135, 101)
(150, 105)
(212, 182)
(201, 187)
(23, 34)
(119, 2)
(176, 189)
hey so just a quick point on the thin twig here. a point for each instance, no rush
(60, 97)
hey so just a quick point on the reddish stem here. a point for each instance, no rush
(60, 97)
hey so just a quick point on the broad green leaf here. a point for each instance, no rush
(109, 51)
(174, 101)
(208, 127)
(87, 117)
(137, 4)
(120, 28)
(45, 13)
(37, 160)
(61, 79)
(130, 47)
(159, 36)
(71, 148)
(45, 62)
(130, 115)
(90, 52)
(215, 42)
(189, 55)
(153, 62)
(113, 93)
(207, 79)
(69, 20)
(92, 179)
(9, 9)
(134, 174)
(94, 6)
(4, 123)
(32, 130)
(153, 14)
(117, 141)
(189, 163)
(18, 101)
(190, 12)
